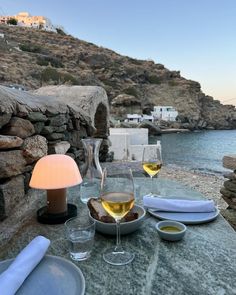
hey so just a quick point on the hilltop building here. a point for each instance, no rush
(24, 19)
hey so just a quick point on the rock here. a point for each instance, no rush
(230, 216)
(125, 100)
(152, 128)
(47, 130)
(19, 127)
(4, 119)
(9, 142)
(58, 120)
(37, 117)
(229, 162)
(12, 163)
(55, 136)
(228, 193)
(61, 128)
(74, 138)
(230, 201)
(38, 127)
(34, 148)
(11, 192)
(231, 176)
(230, 185)
(59, 148)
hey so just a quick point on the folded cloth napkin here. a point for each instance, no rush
(174, 205)
(12, 278)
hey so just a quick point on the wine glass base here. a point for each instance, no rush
(118, 257)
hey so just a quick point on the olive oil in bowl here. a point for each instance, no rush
(170, 229)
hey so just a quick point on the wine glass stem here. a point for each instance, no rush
(151, 185)
(118, 244)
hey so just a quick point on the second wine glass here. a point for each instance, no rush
(152, 162)
(117, 197)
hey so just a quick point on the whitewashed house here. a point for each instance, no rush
(135, 118)
(24, 19)
(165, 113)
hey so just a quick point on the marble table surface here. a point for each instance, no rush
(203, 263)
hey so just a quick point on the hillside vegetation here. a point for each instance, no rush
(36, 58)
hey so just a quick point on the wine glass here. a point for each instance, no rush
(152, 162)
(117, 197)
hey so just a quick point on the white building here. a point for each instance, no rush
(165, 113)
(24, 19)
(135, 118)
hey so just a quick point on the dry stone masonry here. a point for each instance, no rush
(229, 190)
(34, 124)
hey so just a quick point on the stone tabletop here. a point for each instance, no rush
(204, 262)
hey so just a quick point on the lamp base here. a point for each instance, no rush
(48, 218)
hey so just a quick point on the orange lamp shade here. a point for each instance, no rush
(55, 172)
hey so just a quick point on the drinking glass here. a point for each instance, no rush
(152, 162)
(80, 233)
(117, 197)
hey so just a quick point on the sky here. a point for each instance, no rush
(196, 37)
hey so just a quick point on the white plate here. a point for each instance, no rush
(53, 275)
(187, 218)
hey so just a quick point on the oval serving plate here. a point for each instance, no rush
(53, 274)
(186, 218)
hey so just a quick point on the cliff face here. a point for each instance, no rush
(36, 58)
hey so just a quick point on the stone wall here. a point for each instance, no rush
(33, 125)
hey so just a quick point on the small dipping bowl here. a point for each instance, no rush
(171, 230)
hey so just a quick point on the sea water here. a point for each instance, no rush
(201, 151)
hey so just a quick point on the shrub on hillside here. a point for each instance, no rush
(49, 60)
(12, 21)
(29, 47)
(52, 75)
(60, 32)
(131, 91)
(153, 79)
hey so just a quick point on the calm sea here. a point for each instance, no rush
(202, 151)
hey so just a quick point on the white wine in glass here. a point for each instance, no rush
(152, 162)
(117, 197)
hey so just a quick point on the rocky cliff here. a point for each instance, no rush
(37, 58)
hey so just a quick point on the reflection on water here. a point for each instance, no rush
(197, 150)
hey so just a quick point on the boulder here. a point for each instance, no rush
(4, 119)
(9, 142)
(37, 117)
(19, 127)
(11, 192)
(59, 148)
(228, 193)
(152, 128)
(229, 162)
(34, 148)
(231, 176)
(12, 163)
(230, 185)
(55, 136)
(58, 120)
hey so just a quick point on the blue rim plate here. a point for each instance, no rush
(186, 218)
(53, 275)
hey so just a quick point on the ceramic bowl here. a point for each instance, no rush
(125, 227)
(171, 236)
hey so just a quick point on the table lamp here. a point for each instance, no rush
(55, 173)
